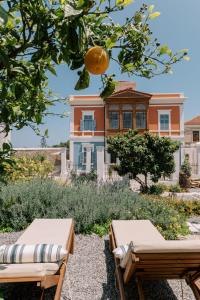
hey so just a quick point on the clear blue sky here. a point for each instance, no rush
(178, 26)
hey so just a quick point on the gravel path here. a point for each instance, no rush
(90, 276)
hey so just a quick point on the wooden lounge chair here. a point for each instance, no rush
(45, 231)
(153, 257)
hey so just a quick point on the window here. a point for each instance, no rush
(195, 136)
(88, 123)
(84, 154)
(140, 119)
(164, 122)
(114, 120)
(127, 119)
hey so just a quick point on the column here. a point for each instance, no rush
(63, 162)
(175, 176)
(198, 159)
(88, 148)
(100, 162)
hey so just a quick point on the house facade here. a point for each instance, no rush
(94, 119)
(192, 130)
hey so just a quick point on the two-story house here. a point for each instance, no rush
(192, 130)
(94, 119)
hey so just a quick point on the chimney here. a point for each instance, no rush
(123, 85)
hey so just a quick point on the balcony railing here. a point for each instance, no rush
(88, 125)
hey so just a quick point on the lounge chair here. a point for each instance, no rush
(42, 231)
(150, 256)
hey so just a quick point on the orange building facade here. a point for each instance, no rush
(93, 119)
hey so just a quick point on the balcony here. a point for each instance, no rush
(88, 125)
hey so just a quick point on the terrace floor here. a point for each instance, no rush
(90, 276)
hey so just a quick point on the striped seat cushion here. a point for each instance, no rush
(39, 253)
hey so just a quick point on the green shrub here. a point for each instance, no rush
(28, 167)
(185, 173)
(186, 207)
(84, 177)
(157, 189)
(91, 206)
(175, 188)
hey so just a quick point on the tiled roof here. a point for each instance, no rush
(194, 121)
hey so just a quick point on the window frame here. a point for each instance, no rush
(144, 112)
(127, 111)
(109, 119)
(87, 113)
(83, 150)
(164, 112)
(195, 131)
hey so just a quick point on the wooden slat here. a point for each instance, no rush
(169, 262)
(130, 268)
(168, 256)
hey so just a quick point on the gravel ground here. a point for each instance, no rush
(90, 276)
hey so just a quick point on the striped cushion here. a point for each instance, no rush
(39, 253)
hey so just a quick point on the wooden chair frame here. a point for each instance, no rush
(157, 266)
(48, 281)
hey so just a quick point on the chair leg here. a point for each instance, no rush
(195, 290)
(60, 282)
(140, 288)
(42, 294)
(120, 284)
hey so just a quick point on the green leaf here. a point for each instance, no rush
(108, 90)
(183, 51)
(154, 15)
(151, 8)
(109, 43)
(18, 70)
(70, 11)
(84, 80)
(77, 63)
(46, 133)
(187, 58)
(3, 15)
(52, 70)
(128, 67)
(165, 50)
(123, 2)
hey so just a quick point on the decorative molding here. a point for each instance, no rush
(87, 139)
(164, 100)
(87, 113)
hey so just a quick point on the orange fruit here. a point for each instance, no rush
(96, 60)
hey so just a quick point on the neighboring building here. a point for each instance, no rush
(93, 119)
(192, 130)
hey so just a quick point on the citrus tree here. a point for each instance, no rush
(35, 36)
(143, 154)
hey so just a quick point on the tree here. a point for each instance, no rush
(38, 35)
(143, 154)
(62, 144)
(35, 36)
(185, 173)
(43, 142)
